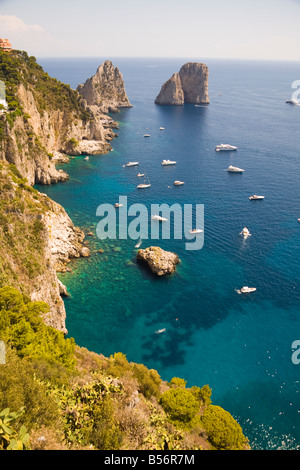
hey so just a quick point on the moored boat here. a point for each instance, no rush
(131, 164)
(168, 162)
(246, 290)
(225, 148)
(256, 198)
(234, 169)
(178, 183)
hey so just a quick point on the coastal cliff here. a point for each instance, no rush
(105, 89)
(190, 85)
(46, 121)
(37, 240)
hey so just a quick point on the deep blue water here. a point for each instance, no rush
(239, 345)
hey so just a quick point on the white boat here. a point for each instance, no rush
(168, 162)
(234, 169)
(140, 241)
(87, 158)
(158, 332)
(118, 205)
(158, 217)
(293, 101)
(245, 232)
(196, 231)
(225, 148)
(178, 183)
(131, 164)
(143, 185)
(255, 197)
(147, 135)
(139, 175)
(246, 290)
(161, 128)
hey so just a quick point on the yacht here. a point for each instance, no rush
(255, 197)
(143, 185)
(196, 231)
(245, 232)
(234, 169)
(168, 162)
(131, 164)
(147, 135)
(178, 183)
(158, 217)
(246, 290)
(225, 148)
(139, 175)
(161, 128)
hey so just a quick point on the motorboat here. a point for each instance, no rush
(234, 169)
(255, 197)
(158, 217)
(87, 158)
(131, 164)
(246, 290)
(118, 205)
(293, 101)
(139, 175)
(196, 231)
(161, 128)
(178, 183)
(298, 220)
(245, 232)
(147, 135)
(162, 330)
(143, 185)
(225, 148)
(140, 241)
(168, 162)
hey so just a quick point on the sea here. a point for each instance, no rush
(193, 324)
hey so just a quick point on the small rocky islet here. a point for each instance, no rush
(159, 261)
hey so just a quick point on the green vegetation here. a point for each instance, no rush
(22, 233)
(55, 395)
(18, 68)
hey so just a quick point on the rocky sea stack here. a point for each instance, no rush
(159, 261)
(190, 85)
(105, 89)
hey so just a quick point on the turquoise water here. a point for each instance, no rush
(239, 345)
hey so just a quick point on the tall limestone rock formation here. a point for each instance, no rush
(105, 89)
(190, 85)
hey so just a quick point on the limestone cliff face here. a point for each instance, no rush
(171, 92)
(37, 240)
(32, 142)
(105, 89)
(45, 120)
(190, 85)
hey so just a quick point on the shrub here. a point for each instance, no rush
(149, 380)
(180, 405)
(222, 429)
(22, 326)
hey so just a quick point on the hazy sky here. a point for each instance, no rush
(250, 29)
